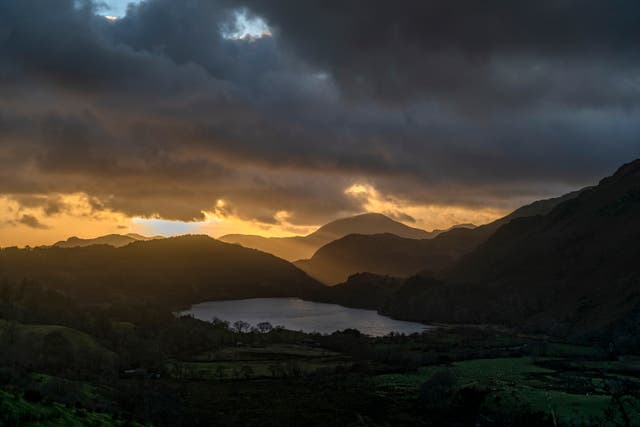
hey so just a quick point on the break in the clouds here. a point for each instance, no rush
(178, 110)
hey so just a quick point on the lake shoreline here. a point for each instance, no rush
(295, 313)
(187, 306)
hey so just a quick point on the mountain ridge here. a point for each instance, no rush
(573, 271)
(174, 271)
(301, 247)
(396, 256)
(115, 240)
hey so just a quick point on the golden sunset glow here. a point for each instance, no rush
(320, 213)
(428, 217)
(25, 222)
(45, 219)
(244, 125)
(52, 218)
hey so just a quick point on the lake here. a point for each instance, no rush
(299, 315)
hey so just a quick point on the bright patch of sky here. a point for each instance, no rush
(246, 27)
(152, 227)
(116, 8)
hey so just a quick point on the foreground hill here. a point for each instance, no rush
(177, 270)
(571, 271)
(116, 240)
(300, 247)
(388, 254)
(38, 346)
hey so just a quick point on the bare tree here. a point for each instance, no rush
(241, 326)
(265, 327)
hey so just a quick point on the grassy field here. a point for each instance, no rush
(468, 375)
(258, 362)
(16, 411)
(34, 335)
(568, 383)
(514, 381)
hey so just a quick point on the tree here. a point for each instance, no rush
(265, 327)
(622, 403)
(219, 323)
(241, 326)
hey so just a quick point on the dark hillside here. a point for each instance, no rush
(574, 270)
(387, 254)
(176, 271)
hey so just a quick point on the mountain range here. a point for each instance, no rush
(567, 266)
(301, 247)
(390, 254)
(571, 271)
(116, 240)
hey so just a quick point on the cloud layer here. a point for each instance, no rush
(478, 105)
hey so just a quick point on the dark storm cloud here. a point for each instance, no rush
(456, 102)
(31, 221)
(504, 52)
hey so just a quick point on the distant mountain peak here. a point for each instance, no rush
(116, 240)
(393, 254)
(370, 223)
(300, 247)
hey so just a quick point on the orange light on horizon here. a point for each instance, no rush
(427, 216)
(25, 224)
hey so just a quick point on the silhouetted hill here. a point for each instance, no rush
(382, 254)
(116, 240)
(176, 270)
(387, 254)
(300, 247)
(362, 290)
(574, 270)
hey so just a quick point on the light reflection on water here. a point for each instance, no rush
(307, 316)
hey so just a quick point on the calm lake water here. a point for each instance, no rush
(307, 316)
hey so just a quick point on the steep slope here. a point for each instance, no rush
(177, 270)
(300, 247)
(116, 240)
(289, 248)
(386, 254)
(382, 254)
(573, 271)
(363, 290)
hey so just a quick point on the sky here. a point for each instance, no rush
(272, 118)
(115, 8)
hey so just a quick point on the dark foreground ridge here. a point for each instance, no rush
(174, 271)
